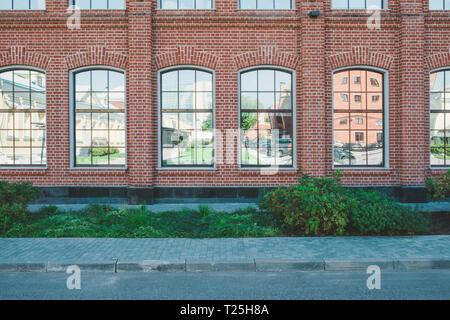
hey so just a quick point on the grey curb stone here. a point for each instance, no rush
(214, 266)
(421, 264)
(360, 264)
(23, 266)
(151, 266)
(281, 266)
(102, 266)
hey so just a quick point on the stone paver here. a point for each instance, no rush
(265, 249)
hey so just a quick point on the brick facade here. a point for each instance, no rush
(142, 40)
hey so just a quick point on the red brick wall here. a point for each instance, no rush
(142, 40)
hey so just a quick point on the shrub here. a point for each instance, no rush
(322, 206)
(439, 188)
(21, 192)
(313, 207)
(98, 152)
(14, 198)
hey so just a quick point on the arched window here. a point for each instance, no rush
(22, 118)
(99, 118)
(266, 117)
(440, 118)
(187, 118)
(358, 118)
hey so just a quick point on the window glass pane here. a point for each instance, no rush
(186, 120)
(374, 4)
(38, 100)
(169, 81)
(339, 4)
(83, 120)
(169, 100)
(5, 5)
(436, 4)
(117, 120)
(447, 78)
(356, 4)
(116, 4)
(187, 80)
(99, 80)
(436, 101)
(248, 4)
(83, 81)
(203, 100)
(186, 4)
(249, 100)
(204, 81)
(83, 4)
(265, 4)
(22, 100)
(117, 138)
(21, 4)
(283, 81)
(437, 81)
(282, 4)
(99, 100)
(248, 81)
(99, 4)
(38, 4)
(116, 81)
(447, 5)
(169, 4)
(6, 81)
(266, 100)
(283, 100)
(266, 80)
(21, 80)
(186, 100)
(203, 4)
(117, 156)
(116, 100)
(99, 120)
(437, 121)
(22, 156)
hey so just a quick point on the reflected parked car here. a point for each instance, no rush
(342, 154)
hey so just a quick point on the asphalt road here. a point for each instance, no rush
(426, 284)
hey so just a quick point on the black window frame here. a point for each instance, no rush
(257, 111)
(30, 111)
(108, 111)
(194, 111)
(444, 112)
(366, 111)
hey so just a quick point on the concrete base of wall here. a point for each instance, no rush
(134, 195)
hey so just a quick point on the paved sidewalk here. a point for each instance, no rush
(243, 254)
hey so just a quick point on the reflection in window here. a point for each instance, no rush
(99, 118)
(187, 125)
(266, 118)
(440, 118)
(186, 4)
(265, 4)
(358, 141)
(357, 4)
(439, 4)
(99, 4)
(22, 5)
(22, 118)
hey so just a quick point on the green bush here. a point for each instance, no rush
(14, 198)
(21, 192)
(322, 206)
(439, 188)
(98, 152)
(313, 207)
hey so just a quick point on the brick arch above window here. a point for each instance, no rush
(267, 55)
(438, 60)
(18, 55)
(360, 56)
(186, 55)
(96, 55)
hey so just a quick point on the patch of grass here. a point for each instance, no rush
(106, 221)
